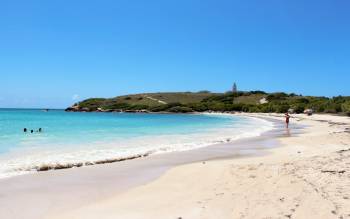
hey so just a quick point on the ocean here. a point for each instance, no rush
(87, 138)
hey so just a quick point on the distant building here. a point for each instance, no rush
(234, 88)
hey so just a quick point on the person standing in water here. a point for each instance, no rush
(25, 130)
(287, 119)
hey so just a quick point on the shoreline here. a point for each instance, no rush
(199, 143)
(99, 181)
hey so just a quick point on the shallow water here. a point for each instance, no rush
(90, 137)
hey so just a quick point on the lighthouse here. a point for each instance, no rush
(234, 88)
(234, 91)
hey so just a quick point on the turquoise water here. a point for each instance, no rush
(80, 137)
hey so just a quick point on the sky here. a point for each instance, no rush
(55, 53)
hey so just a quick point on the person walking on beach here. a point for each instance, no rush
(287, 119)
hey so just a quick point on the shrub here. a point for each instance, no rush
(117, 106)
(340, 99)
(265, 108)
(198, 107)
(180, 109)
(159, 108)
(302, 100)
(203, 92)
(282, 108)
(216, 106)
(138, 107)
(346, 107)
(276, 97)
(254, 109)
(257, 92)
(299, 108)
(225, 98)
(332, 107)
(246, 107)
(236, 107)
(164, 107)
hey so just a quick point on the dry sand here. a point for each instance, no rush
(308, 177)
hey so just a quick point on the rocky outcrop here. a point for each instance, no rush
(74, 108)
(77, 108)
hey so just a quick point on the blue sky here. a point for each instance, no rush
(53, 53)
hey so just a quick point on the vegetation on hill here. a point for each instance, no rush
(253, 101)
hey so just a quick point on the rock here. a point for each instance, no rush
(308, 112)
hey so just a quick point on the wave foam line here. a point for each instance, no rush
(59, 166)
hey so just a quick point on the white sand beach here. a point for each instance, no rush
(307, 176)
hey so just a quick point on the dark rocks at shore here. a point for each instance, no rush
(47, 167)
(58, 166)
(74, 108)
(119, 159)
(77, 109)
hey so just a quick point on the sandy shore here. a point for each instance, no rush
(308, 177)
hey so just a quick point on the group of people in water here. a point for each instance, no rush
(25, 130)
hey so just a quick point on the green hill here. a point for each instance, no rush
(183, 102)
(156, 99)
(141, 101)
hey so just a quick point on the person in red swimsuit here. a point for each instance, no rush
(287, 119)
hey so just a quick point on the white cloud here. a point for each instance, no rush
(75, 97)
